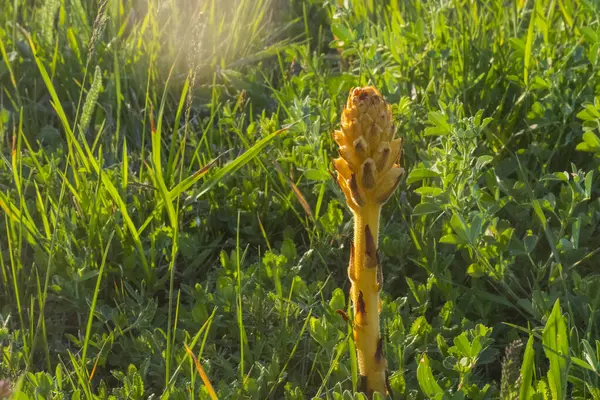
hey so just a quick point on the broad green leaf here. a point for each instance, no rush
(442, 345)
(539, 83)
(451, 239)
(556, 347)
(586, 115)
(431, 191)
(540, 213)
(427, 382)
(589, 34)
(419, 174)
(425, 208)
(482, 161)
(475, 228)
(593, 110)
(342, 33)
(438, 119)
(459, 226)
(529, 242)
(583, 146)
(439, 122)
(436, 131)
(592, 140)
(462, 345)
(476, 270)
(527, 366)
(556, 177)
(338, 300)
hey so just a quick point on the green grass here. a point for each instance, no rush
(164, 185)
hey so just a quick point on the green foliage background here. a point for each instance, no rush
(164, 182)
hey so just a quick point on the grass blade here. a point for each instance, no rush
(528, 46)
(527, 366)
(202, 374)
(88, 329)
(239, 162)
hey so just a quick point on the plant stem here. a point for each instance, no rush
(365, 275)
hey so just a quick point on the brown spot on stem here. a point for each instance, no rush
(354, 191)
(351, 271)
(379, 351)
(362, 309)
(371, 250)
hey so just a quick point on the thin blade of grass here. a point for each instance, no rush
(239, 304)
(174, 135)
(88, 329)
(205, 380)
(205, 328)
(176, 191)
(297, 192)
(300, 334)
(239, 162)
(528, 47)
(114, 194)
(72, 144)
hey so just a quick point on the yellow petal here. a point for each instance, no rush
(342, 167)
(347, 193)
(396, 146)
(348, 153)
(340, 138)
(389, 182)
(356, 193)
(382, 156)
(373, 134)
